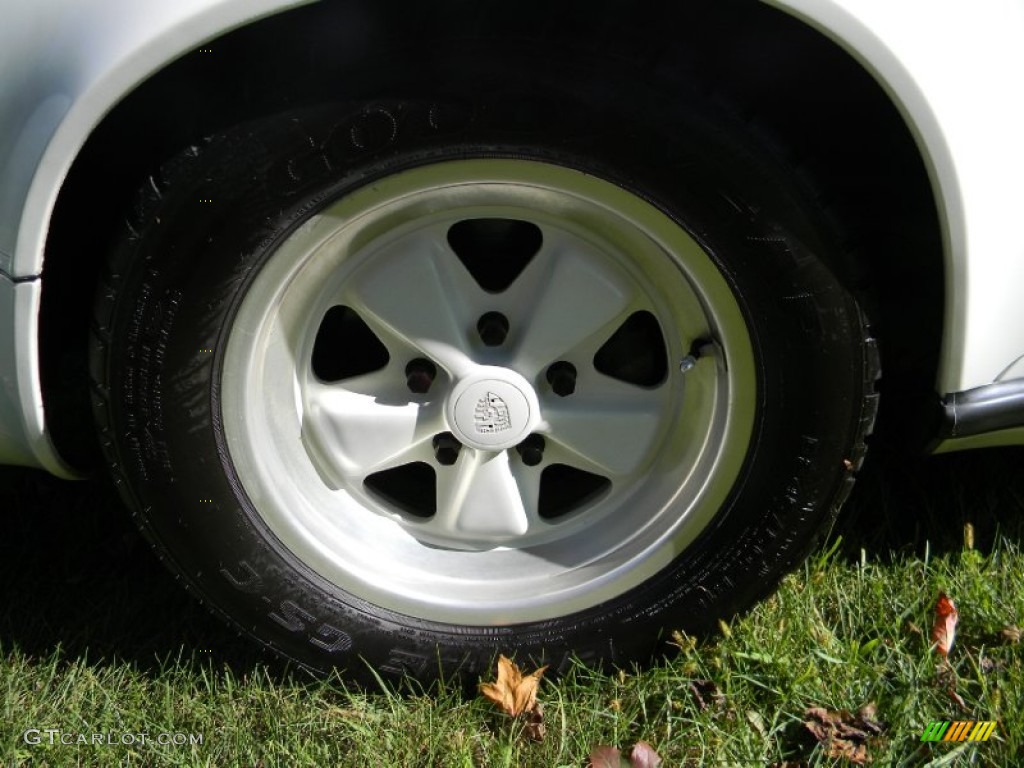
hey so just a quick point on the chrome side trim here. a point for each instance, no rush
(984, 409)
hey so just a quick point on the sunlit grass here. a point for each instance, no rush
(836, 634)
(849, 628)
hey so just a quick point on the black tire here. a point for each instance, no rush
(214, 215)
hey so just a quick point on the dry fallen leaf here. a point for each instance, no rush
(533, 727)
(944, 628)
(868, 716)
(641, 756)
(644, 756)
(606, 757)
(513, 692)
(1011, 634)
(843, 735)
(858, 754)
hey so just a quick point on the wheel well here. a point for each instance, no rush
(806, 95)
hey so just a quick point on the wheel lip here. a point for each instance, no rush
(658, 546)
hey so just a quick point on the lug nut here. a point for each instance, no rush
(419, 375)
(562, 378)
(446, 448)
(493, 328)
(531, 450)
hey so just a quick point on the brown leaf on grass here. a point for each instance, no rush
(944, 628)
(606, 757)
(1011, 634)
(641, 756)
(856, 754)
(644, 756)
(533, 727)
(514, 692)
(868, 716)
(843, 735)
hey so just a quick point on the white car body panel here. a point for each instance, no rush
(954, 71)
(96, 52)
(19, 306)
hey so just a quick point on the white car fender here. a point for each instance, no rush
(95, 54)
(953, 73)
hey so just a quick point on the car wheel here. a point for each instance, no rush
(398, 385)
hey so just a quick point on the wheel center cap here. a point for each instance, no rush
(493, 410)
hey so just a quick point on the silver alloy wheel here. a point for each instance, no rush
(485, 551)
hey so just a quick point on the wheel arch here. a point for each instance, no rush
(744, 51)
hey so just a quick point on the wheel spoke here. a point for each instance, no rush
(385, 385)
(532, 319)
(417, 290)
(605, 433)
(482, 497)
(354, 434)
(572, 299)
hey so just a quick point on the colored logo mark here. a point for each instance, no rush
(958, 730)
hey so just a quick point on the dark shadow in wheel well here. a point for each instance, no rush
(830, 118)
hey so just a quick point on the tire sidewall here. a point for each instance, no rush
(223, 215)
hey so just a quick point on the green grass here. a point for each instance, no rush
(80, 650)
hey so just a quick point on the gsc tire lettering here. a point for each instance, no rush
(246, 580)
(335, 640)
(290, 614)
(294, 618)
